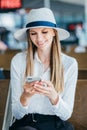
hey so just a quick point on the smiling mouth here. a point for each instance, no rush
(40, 44)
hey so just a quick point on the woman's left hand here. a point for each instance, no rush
(46, 88)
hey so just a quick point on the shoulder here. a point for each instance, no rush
(19, 57)
(68, 61)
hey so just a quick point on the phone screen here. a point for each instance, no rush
(32, 79)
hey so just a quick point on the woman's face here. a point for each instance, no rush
(42, 37)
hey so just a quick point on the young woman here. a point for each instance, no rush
(44, 104)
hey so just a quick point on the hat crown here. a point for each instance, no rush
(42, 17)
(41, 14)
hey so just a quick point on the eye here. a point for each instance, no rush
(32, 33)
(44, 32)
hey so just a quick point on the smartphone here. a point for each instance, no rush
(32, 79)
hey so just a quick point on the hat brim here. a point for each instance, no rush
(21, 34)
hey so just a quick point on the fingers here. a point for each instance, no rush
(47, 83)
(40, 89)
(28, 88)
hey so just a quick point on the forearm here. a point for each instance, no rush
(55, 100)
(24, 99)
(62, 109)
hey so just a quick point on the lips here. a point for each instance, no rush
(40, 43)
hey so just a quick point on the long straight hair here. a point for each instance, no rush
(56, 67)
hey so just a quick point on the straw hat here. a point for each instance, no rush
(41, 17)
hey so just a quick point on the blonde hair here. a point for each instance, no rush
(56, 67)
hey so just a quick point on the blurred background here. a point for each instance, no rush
(70, 14)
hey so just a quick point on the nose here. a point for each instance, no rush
(39, 37)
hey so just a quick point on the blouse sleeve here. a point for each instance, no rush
(64, 107)
(16, 86)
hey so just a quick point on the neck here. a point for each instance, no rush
(44, 56)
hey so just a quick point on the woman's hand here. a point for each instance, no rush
(28, 92)
(29, 89)
(46, 88)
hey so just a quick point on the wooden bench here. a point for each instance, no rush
(82, 74)
(82, 63)
(81, 59)
(5, 58)
(79, 116)
(4, 86)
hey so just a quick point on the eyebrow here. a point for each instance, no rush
(32, 31)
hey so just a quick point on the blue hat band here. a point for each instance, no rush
(41, 23)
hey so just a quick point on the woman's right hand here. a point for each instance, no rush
(28, 92)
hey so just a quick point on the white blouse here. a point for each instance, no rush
(40, 103)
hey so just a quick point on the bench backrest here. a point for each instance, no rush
(81, 59)
(4, 86)
(82, 74)
(79, 116)
(5, 58)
